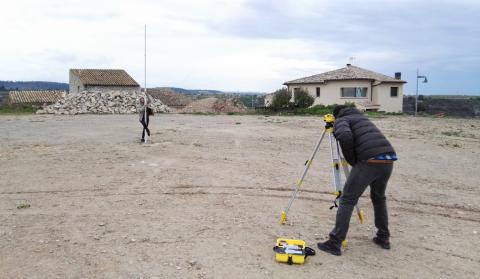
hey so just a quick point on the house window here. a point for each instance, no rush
(318, 92)
(296, 89)
(354, 92)
(393, 91)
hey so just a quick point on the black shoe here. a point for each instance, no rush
(330, 247)
(142, 140)
(385, 244)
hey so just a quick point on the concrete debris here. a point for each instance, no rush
(101, 102)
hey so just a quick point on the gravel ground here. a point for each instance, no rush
(80, 197)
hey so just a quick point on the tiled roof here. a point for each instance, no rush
(347, 73)
(104, 77)
(35, 97)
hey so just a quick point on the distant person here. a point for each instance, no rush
(143, 117)
(371, 156)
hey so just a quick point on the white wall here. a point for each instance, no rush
(268, 99)
(381, 94)
(330, 92)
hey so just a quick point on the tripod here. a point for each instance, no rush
(337, 161)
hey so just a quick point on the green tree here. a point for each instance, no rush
(281, 99)
(303, 99)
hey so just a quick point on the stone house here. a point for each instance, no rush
(36, 98)
(367, 89)
(101, 80)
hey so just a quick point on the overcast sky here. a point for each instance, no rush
(243, 45)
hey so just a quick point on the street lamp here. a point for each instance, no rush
(425, 80)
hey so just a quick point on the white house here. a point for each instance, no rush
(367, 89)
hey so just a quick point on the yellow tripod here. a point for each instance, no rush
(337, 161)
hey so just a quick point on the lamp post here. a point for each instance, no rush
(416, 92)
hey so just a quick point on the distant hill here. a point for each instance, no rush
(192, 91)
(207, 91)
(33, 85)
(249, 99)
(462, 106)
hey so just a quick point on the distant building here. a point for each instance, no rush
(101, 80)
(267, 101)
(3, 96)
(35, 97)
(367, 89)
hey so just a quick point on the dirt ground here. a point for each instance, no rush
(203, 200)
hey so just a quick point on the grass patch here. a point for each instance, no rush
(452, 133)
(458, 133)
(18, 109)
(23, 205)
(449, 144)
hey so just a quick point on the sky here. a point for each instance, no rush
(244, 45)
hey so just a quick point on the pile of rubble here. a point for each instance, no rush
(214, 105)
(172, 99)
(101, 102)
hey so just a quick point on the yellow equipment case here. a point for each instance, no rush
(291, 251)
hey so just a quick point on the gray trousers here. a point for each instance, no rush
(362, 175)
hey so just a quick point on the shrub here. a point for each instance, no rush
(350, 104)
(281, 99)
(303, 99)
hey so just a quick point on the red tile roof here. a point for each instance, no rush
(35, 96)
(104, 77)
(349, 72)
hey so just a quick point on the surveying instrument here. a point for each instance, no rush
(338, 161)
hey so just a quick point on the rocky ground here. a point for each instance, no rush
(80, 197)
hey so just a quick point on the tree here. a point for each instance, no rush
(281, 99)
(303, 99)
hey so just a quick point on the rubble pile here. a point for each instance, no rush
(214, 105)
(101, 102)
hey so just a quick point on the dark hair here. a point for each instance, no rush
(337, 109)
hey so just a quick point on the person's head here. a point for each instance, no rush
(141, 100)
(337, 109)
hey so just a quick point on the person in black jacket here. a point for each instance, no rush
(371, 156)
(144, 117)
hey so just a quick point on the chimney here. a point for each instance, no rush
(348, 65)
(398, 75)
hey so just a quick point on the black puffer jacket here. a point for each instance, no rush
(359, 138)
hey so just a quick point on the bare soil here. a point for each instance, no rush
(80, 197)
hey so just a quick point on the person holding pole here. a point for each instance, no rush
(144, 113)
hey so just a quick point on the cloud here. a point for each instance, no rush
(241, 44)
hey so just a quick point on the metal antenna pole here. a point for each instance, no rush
(416, 94)
(145, 62)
